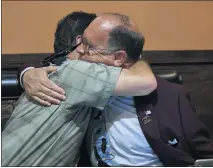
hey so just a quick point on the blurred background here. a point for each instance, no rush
(29, 26)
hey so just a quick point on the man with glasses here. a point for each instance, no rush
(51, 136)
(154, 130)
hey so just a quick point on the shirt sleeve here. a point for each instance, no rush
(88, 83)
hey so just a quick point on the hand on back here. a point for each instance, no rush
(39, 88)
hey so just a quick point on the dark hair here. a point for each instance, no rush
(123, 38)
(69, 28)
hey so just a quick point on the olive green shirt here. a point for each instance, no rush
(51, 136)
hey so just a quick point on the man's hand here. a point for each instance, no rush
(39, 88)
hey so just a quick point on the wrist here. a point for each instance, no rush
(22, 75)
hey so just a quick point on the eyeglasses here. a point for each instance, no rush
(90, 50)
(52, 58)
(87, 48)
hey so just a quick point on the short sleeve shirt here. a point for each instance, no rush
(51, 136)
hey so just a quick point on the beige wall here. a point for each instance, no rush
(28, 27)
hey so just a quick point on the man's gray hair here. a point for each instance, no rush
(122, 37)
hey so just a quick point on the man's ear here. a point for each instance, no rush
(78, 39)
(120, 58)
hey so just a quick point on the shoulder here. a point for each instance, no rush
(169, 91)
(83, 66)
(169, 87)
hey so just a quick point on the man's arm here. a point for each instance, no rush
(137, 80)
(195, 133)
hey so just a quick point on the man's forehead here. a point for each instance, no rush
(107, 25)
(98, 31)
(100, 25)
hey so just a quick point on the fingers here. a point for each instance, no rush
(44, 94)
(41, 89)
(54, 89)
(48, 94)
(42, 102)
(50, 69)
(45, 98)
(51, 85)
